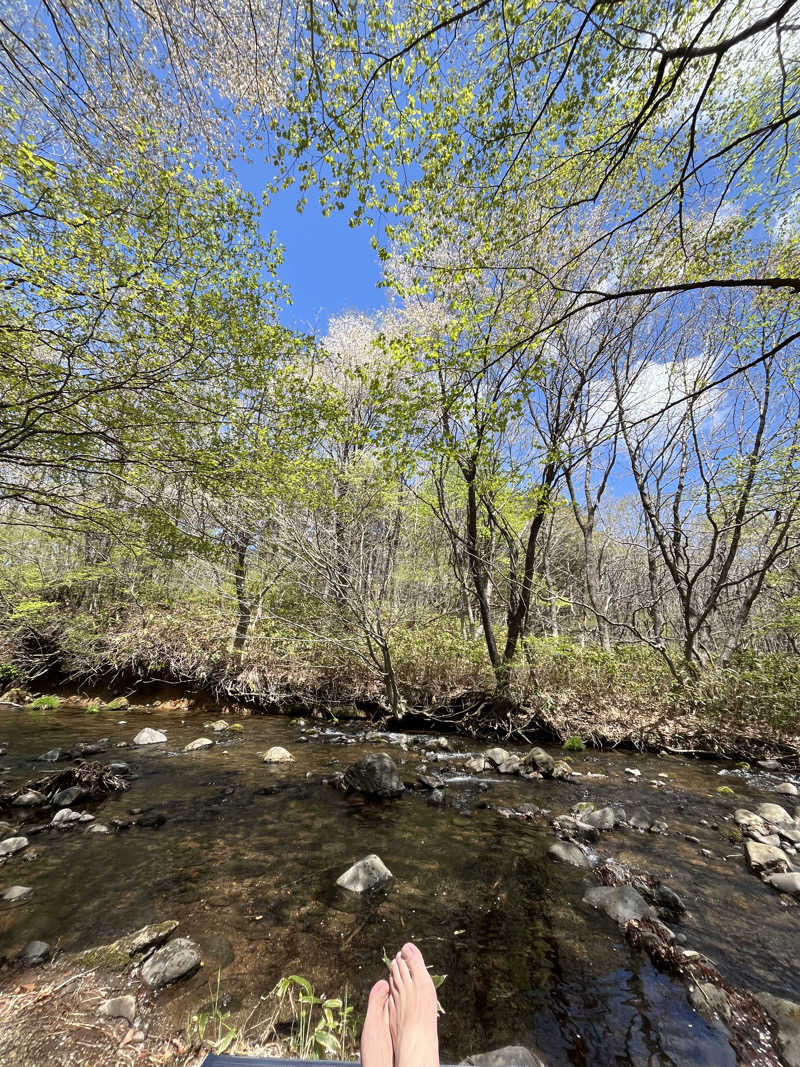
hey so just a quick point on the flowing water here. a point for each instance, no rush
(248, 854)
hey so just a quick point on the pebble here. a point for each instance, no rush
(17, 892)
(368, 873)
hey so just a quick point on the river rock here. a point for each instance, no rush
(475, 765)
(218, 726)
(789, 833)
(766, 857)
(710, 1002)
(375, 775)
(119, 1008)
(117, 704)
(116, 955)
(509, 1056)
(53, 755)
(621, 903)
(30, 798)
(602, 819)
(13, 844)
(35, 952)
(496, 756)
(668, 898)
(541, 760)
(198, 743)
(366, 874)
(16, 695)
(566, 852)
(640, 820)
(177, 959)
(65, 797)
(561, 769)
(583, 807)
(149, 737)
(789, 789)
(65, 818)
(16, 892)
(785, 882)
(91, 748)
(510, 765)
(98, 828)
(276, 754)
(786, 1016)
(769, 765)
(749, 822)
(120, 768)
(774, 813)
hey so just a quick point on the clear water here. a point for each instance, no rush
(251, 877)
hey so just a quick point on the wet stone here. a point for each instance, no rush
(789, 789)
(65, 797)
(566, 852)
(541, 760)
(30, 798)
(620, 903)
(15, 893)
(368, 873)
(640, 820)
(177, 959)
(53, 755)
(602, 819)
(149, 737)
(509, 1056)
(773, 813)
(786, 1016)
(13, 844)
(788, 882)
(276, 754)
(761, 858)
(374, 775)
(35, 952)
(198, 744)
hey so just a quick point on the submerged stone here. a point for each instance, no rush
(621, 903)
(366, 874)
(566, 852)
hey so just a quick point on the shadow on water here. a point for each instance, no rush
(247, 855)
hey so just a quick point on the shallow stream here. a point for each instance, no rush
(250, 875)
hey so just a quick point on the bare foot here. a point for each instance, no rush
(412, 1011)
(376, 1039)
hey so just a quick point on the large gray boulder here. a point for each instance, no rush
(602, 819)
(368, 873)
(544, 763)
(509, 1056)
(496, 756)
(785, 883)
(766, 858)
(774, 813)
(621, 903)
(177, 959)
(786, 1016)
(375, 775)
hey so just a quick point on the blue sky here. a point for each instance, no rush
(328, 266)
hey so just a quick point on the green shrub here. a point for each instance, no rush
(573, 744)
(45, 703)
(8, 674)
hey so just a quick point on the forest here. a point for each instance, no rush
(554, 482)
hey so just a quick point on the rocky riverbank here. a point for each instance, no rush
(299, 847)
